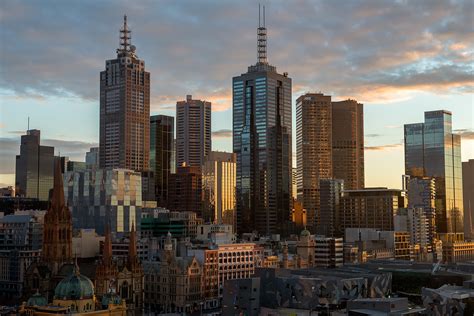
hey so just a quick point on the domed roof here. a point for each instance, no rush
(305, 233)
(110, 298)
(74, 287)
(37, 300)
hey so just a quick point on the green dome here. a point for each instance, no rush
(37, 300)
(305, 233)
(74, 287)
(110, 298)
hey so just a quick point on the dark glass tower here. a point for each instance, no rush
(34, 167)
(161, 152)
(432, 150)
(262, 143)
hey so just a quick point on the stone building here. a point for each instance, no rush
(124, 277)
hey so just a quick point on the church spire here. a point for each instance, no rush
(107, 251)
(57, 199)
(132, 246)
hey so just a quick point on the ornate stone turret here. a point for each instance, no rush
(57, 234)
(133, 262)
(106, 271)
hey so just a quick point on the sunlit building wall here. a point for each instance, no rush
(432, 150)
(219, 185)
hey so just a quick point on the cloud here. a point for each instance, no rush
(58, 48)
(372, 135)
(222, 133)
(383, 147)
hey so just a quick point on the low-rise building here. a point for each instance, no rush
(241, 297)
(458, 251)
(392, 306)
(449, 299)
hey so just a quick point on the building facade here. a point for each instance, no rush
(432, 150)
(468, 197)
(161, 152)
(218, 180)
(348, 143)
(370, 208)
(313, 151)
(193, 131)
(262, 143)
(34, 167)
(185, 190)
(92, 158)
(125, 109)
(421, 193)
(104, 196)
(330, 200)
(21, 238)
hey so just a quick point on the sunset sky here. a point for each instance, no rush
(399, 58)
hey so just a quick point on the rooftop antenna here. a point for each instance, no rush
(28, 123)
(261, 38)
(125, 38)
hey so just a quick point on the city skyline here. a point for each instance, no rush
(397, 83)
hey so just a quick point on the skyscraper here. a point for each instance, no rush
(262, 142)
(161, 153)
(468, 195)
(193, 131)
(125, 109)
(34, 167)
(92, 158)
(432, 150)
(218, 180)
(348, 143)
(313, 151)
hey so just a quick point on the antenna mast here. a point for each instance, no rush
(261, 38)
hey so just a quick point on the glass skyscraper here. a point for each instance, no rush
(432, 150)
(34, 167)
(262, 143)
(161, 154)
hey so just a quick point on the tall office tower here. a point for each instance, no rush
(421, 193)
(193, 131)
(294, 184)
(185, 190)
(218, 181)
(370, 208)
(313, 150)
(125, 109)
(34, 167)
(330, 196)
(348, 143)
(161, 154)
(92, 158)
(432, 150)
(468, 195)
(262, 143)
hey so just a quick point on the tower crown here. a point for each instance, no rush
(261, 38)
(126, 49)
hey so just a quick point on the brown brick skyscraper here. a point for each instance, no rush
(348, 143)
(125, 109)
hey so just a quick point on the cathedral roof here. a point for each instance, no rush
(75, 286)
(37, 300)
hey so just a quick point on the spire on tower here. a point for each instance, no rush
(261, 38)
(132, 246)
(107, 251)
(125, 39)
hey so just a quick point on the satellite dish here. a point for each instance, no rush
(132, 48)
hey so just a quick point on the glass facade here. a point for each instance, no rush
(104, 196)
(161, 154)
(262, 144)
(34, 167)
(432, 150)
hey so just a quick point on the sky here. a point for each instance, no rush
(398, 58)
